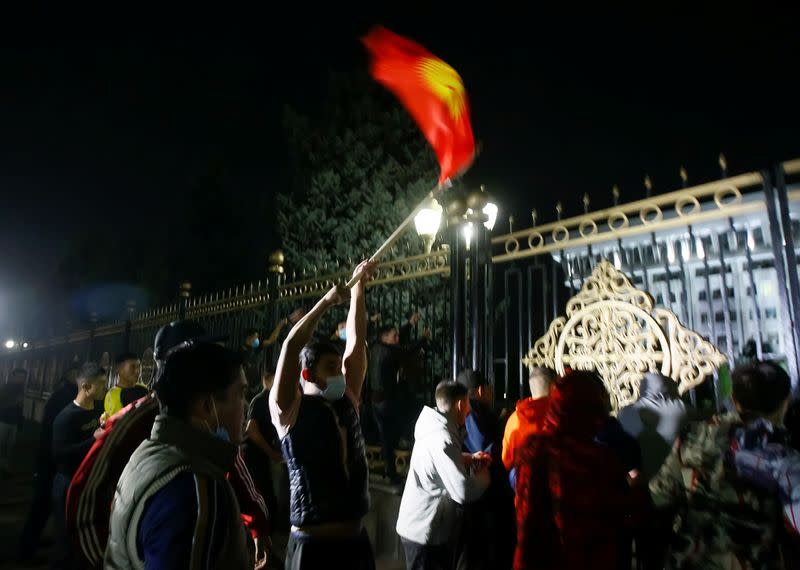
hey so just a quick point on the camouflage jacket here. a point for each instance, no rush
(723, 521)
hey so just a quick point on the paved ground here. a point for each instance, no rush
(15, 495)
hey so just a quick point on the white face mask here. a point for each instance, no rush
(335, 388)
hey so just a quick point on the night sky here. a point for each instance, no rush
(107, 116)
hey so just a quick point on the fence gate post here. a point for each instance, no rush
(185, 291)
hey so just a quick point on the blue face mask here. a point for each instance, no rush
(221, 432)
(256, 343)
(343, 334)
(335, 388)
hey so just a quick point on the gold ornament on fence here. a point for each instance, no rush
(613, 328)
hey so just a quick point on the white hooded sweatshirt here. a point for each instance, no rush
(437, 480)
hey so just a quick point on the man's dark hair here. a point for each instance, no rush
(196, 371)
(448, 393)
(385, 329)
(472, 379)
(760, 388)
(410, 314)
(250, 331)
(89, 372)
(313, 352)
(120, 358)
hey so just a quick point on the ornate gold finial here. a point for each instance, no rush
(586, 203)
(615, 194)
(185, 290)
(534, 215)
(723, 164)
(511, 224)
(559, 209)
(276, 260)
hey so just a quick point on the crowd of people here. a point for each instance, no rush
(177, 471)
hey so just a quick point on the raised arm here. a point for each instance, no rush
(354, 363)
(287, 376)
(275, 333)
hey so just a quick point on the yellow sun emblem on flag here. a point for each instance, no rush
(446, 83)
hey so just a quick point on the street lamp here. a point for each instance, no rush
(10, 344)
(468, 230)
(427, 223)
(25, 344)
(490, 209)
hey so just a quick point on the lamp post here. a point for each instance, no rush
(481, 216)
(456, 209)
(469, 220)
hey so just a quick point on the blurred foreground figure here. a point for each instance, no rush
(93, 485)
(174, 506)
(574, 501)
(734, 481)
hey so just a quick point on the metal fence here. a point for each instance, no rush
(417, 283)
(721, 255)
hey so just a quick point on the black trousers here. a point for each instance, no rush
(306, 553)
(388, 418)
(41, 508)
(63, 556)
(427, 556)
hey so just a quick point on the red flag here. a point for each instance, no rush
(433, 93)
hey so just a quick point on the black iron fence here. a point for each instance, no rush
(401, 286)
(722, 255)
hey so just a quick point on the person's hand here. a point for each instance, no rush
(263, 546)
(103, 419)
(98, 433)
(482, 458)
(426, 333)
(367, 270)
(337, 295)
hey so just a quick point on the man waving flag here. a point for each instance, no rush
(433, 93)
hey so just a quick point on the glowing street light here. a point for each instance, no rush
(25, 344)
(490, 210)
(10, 343)
(427, 223)
(468, 231)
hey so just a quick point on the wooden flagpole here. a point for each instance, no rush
(397, 232)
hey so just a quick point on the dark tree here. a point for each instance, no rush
(355, 174)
